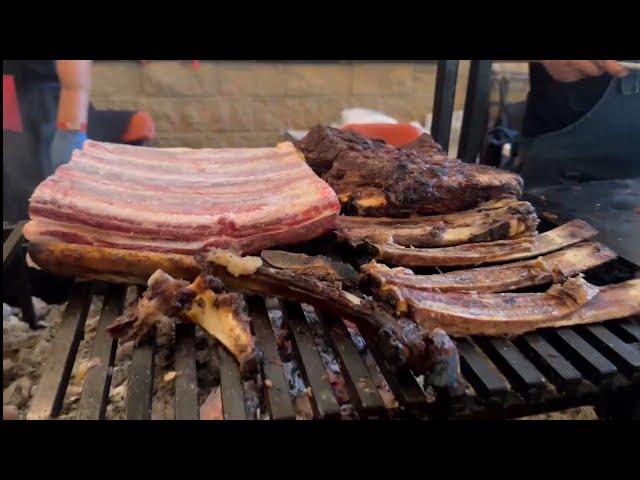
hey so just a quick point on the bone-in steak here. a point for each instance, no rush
(375, 179)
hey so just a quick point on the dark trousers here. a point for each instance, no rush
(26, 155)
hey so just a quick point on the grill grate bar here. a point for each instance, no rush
(57, 370)
(625, 356)
(277, 393)
(362, 389)
(587, 359)
(323, 399)
(95, 390)
(555, 367)
(186, 378)
(140, 385)
(481, 374)
(231, 388)
(632, 329)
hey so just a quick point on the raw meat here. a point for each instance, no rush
(554, 267)
(489, 252)
(375, 179)
(495, 220)
(182, 200)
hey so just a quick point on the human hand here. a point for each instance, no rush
(574, 70)
(64, 143)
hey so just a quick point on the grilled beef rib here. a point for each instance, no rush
(372, 178)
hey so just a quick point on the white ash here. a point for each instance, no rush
(116, 406)
(297, 386)
(7, 311)
(83, 362)
(380, 382)
(40, 307)
(24, 352)
(333, 372)
(163, 400)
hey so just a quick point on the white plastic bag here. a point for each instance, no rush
(364, 115)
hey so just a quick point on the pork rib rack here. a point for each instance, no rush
(375, 179)
(179, 200)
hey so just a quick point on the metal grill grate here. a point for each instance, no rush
(541, 371)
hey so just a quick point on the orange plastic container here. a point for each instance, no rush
(397, 134)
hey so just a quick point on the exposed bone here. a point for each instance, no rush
(552, 268)
(202, 302)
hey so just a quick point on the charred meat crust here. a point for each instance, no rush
(551, 268)
(375, 179)
(488, 252)
(203, 302)
(495, 220)
(493, 313)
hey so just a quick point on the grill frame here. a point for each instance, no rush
(543, 371)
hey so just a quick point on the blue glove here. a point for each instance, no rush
(64, 143)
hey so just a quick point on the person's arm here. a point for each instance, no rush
(574, 70)
(73, 109)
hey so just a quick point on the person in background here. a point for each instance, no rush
(45, 119)
(582, 122)
(73, 111)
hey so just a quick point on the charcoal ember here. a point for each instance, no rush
(118, 394)
(124, 350)
(17, 335)
(294, 378)
(83, 368)
(334, 374)
(7, 311)
(347, 412)
(41, 350)
(40, 307)
(354, 333)
(10, 412)
(253, 399)
(74, 392)
(119, 376)
(211, 408)
(303, 408)
(18, 393)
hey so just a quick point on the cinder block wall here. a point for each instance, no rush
(247, 104)
(226, 104)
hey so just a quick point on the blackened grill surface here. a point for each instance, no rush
(612, 206)
(547, 370)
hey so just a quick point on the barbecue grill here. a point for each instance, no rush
(542, 371)
(546, 370)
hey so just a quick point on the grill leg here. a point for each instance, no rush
(26, 303)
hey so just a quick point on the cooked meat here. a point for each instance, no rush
(375, 179)
(399, 339)
(317, 266)
(109, 264)
(554, 267)
(489, 252)
(202, 302)
(490, 313)
(182, 200)
(425, 145)
(495, 220)
(620, 300)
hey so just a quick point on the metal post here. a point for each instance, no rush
(443, 101)
(476, 111)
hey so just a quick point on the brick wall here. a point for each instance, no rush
(227, 104)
